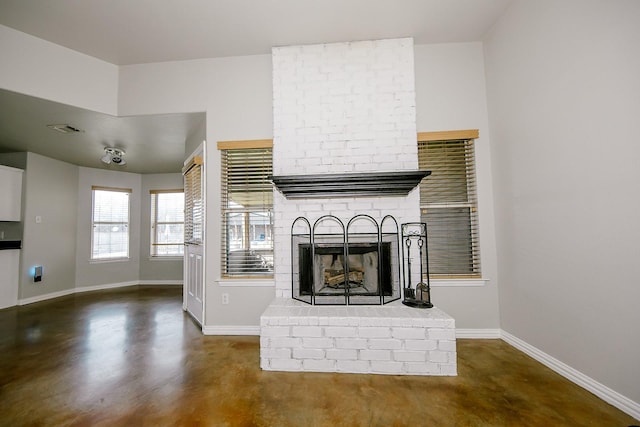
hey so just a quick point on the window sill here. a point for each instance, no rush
(446, 283)
(246, 283)
(108, 260)
(166, 258)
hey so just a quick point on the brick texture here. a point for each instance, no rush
(359, 347)
(347, 108)
(341, 108)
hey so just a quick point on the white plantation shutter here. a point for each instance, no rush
(448, 202)
(247, 209)
(110, 223)
(193, 203)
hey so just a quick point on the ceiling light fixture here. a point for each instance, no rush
(113, 155)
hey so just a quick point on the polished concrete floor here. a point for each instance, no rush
(131, 357)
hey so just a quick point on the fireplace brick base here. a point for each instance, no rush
(391, 339)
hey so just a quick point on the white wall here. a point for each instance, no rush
(195, 140)
(39, 68)
(564, 102)
(156, 269)
(50, 192)
(451, 95)
(236, 95)
(94, 273)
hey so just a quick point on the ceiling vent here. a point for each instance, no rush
(65, 128)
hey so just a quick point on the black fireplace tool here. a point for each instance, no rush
(420, 295)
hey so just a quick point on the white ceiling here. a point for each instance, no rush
(139, 31)
(153, 144)
(126, 32)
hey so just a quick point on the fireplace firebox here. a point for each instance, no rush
(327, 274)
(353, 265)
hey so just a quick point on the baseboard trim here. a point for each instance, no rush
(231, 330)
(478, 333)
(81, 289)
(603, 392)
(255, 330)
(160, 282)
(45, 297)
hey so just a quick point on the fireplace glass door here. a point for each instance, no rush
(365, 272)
(339, 269)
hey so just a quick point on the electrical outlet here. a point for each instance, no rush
(225, 298)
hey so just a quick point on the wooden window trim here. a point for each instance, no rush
(114, 189)
(176, 190)
(244, 144)
(194, 161)
(448, 135)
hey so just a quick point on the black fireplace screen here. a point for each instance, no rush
(334, 265)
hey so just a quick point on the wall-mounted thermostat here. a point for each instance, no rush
(37, 273)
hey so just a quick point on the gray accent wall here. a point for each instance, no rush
(564, 102)
(94, 273)
(195, 140)
(236, 94)
(60, 194)
(156, 269)
(451, 95)
(50, 193)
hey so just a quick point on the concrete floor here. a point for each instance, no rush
(131, 357)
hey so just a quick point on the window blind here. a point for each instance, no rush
(448, 202)
(167, 223)
(247, 212)
(110, 223)
(193, 205)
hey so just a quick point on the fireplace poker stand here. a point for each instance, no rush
(417, 290)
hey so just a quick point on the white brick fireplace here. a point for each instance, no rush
(347, 108)
(341, 108)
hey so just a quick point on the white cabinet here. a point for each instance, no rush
(9, 272)
(10, 193)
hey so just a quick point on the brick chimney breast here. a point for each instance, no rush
(341, 108)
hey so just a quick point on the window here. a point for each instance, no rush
(193, 202)
(167, 223)
(448, 203)
(110, 223)
(247, 208)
